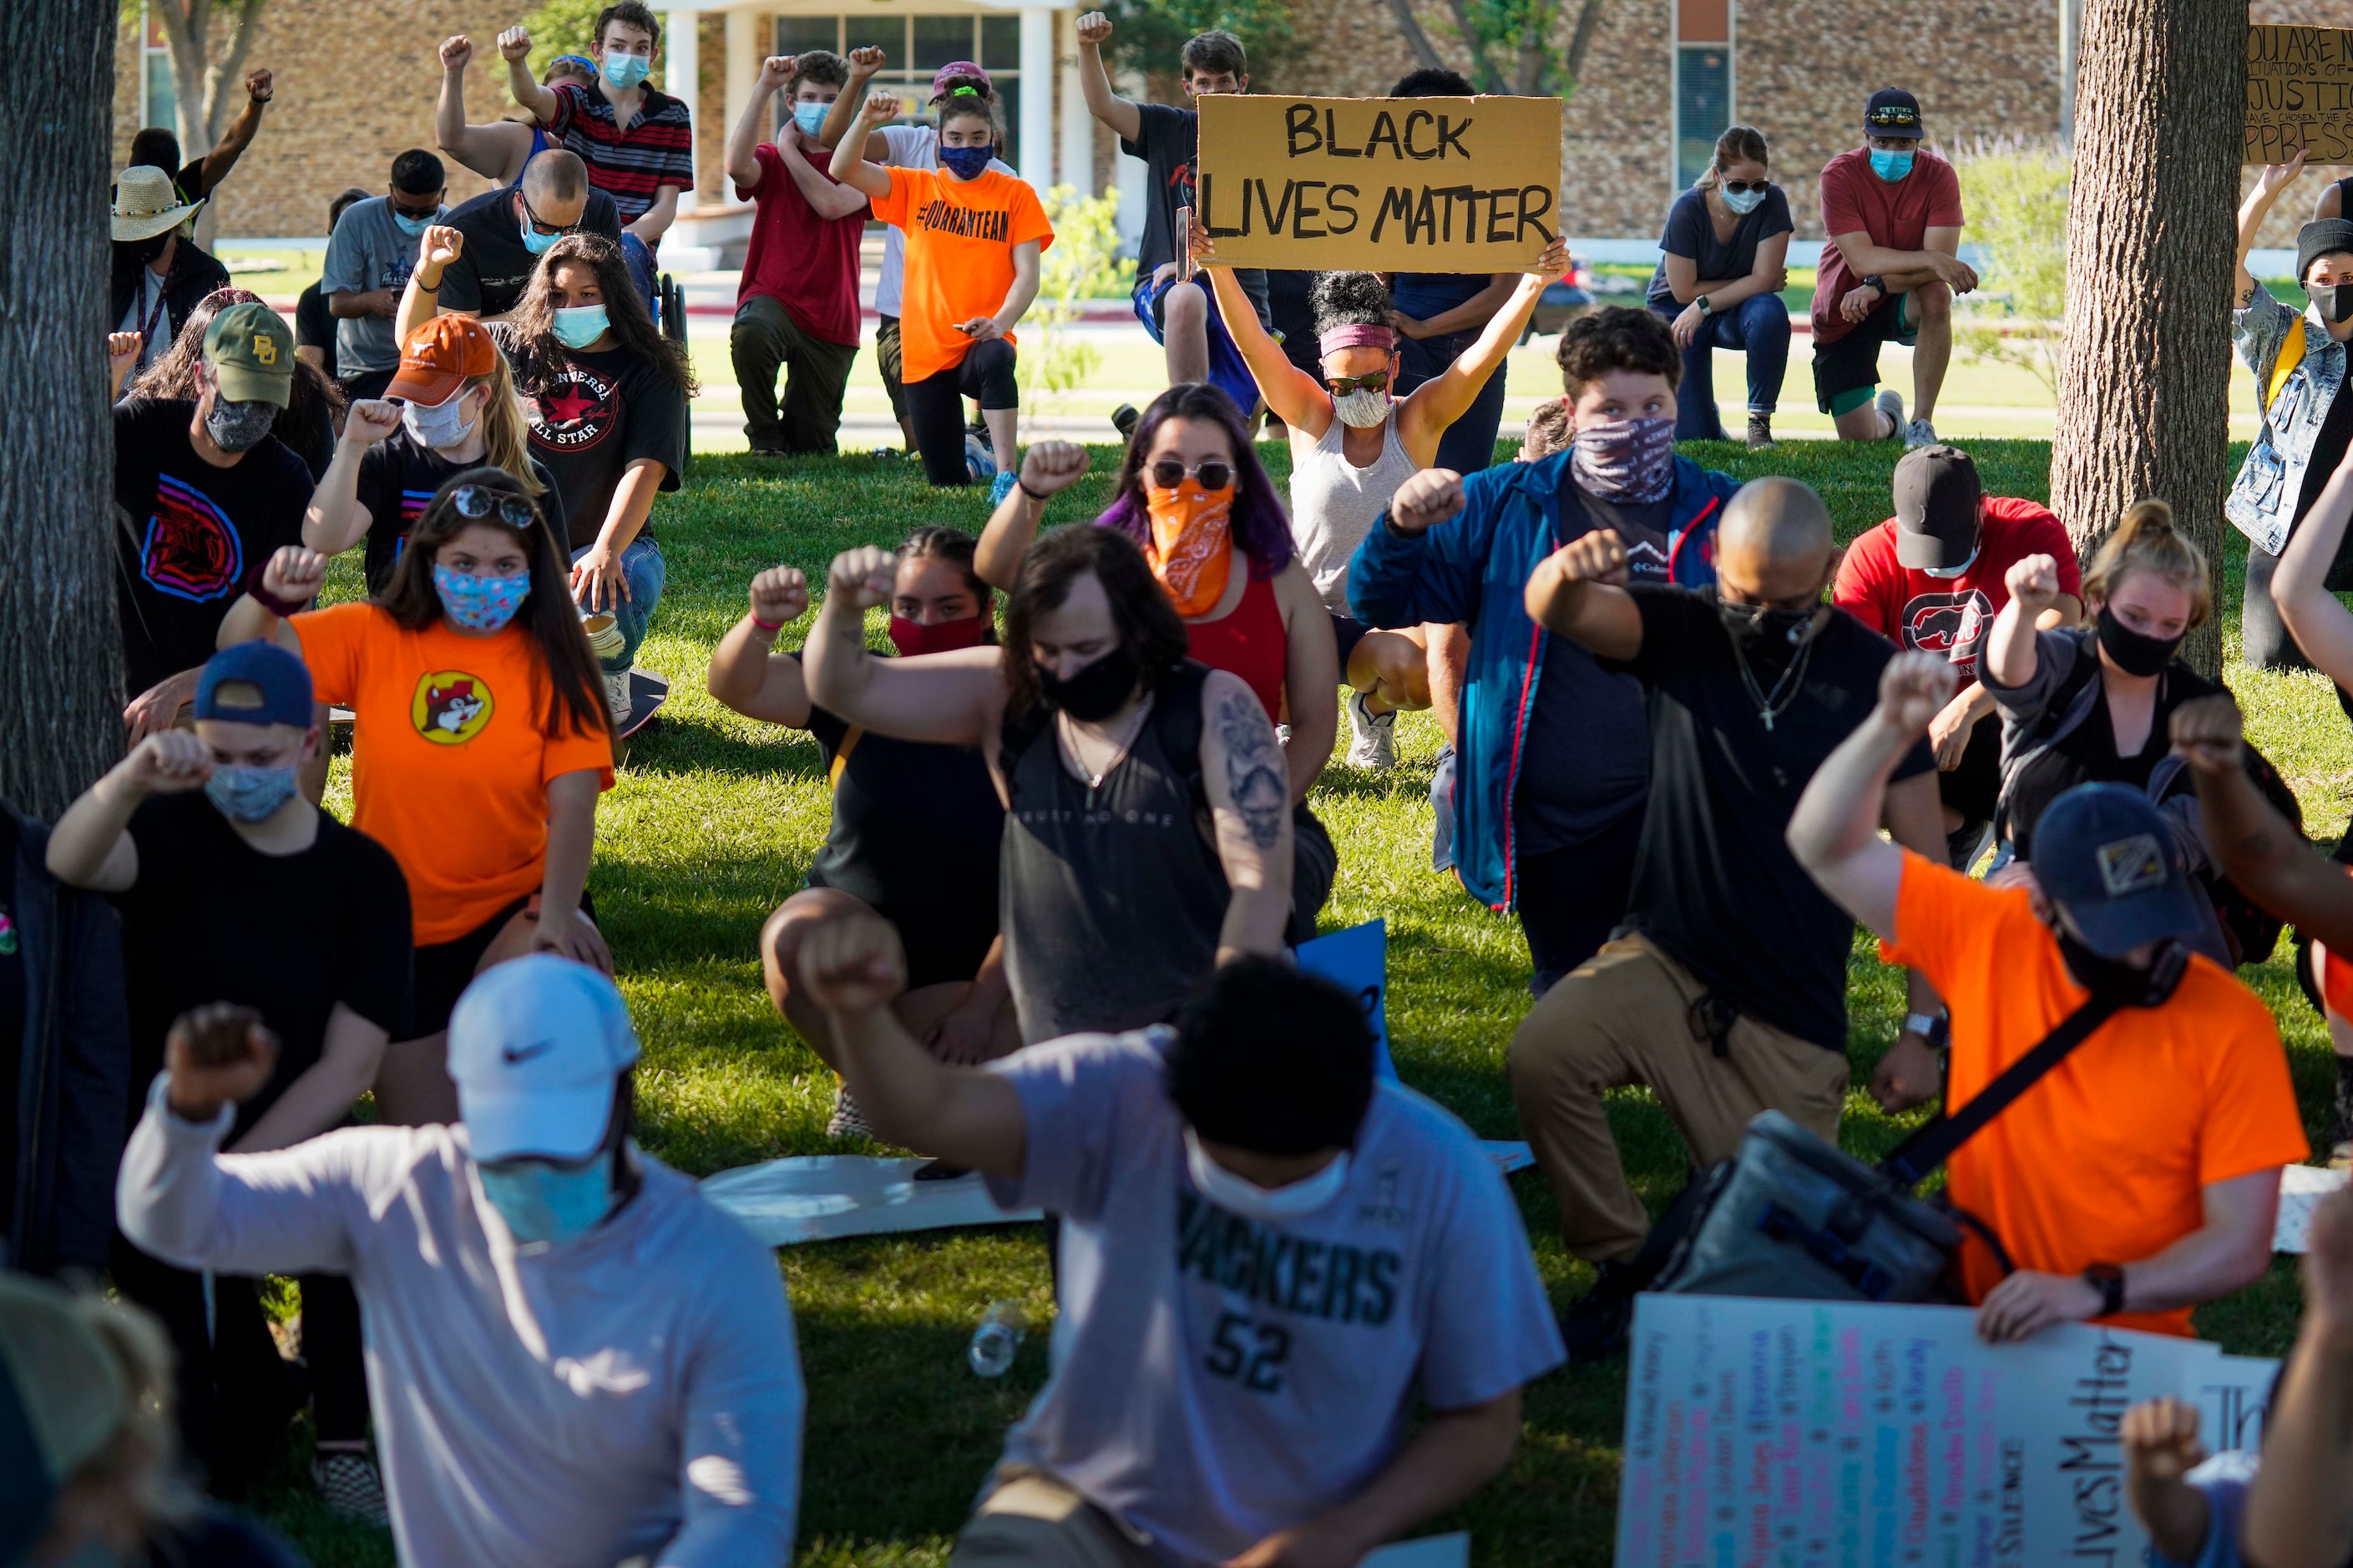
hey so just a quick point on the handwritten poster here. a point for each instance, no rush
(2299, 94)
(1826, 1435)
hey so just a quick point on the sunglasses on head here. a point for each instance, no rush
(479, 501)
(1213, 475)
(1742, 188)
(1371, 381)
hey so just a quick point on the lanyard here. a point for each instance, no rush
(147, 322)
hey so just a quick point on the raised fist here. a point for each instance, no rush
(776, 70)
(439, 246)
(865, 575)
(1426, 500)
(1094, 28)
(865, 60)
(294, 575)
(880, 106)
(122, 353)
(854, 964)
(218, 1055)
(457, 52)
(1599, 556)
(371, 420)
(258, 82)
(2207, 734)
(1914, 689)
(515, 44)
(2034, 583)
(1049, 466)
(2160, 1439)
(169, 762)
(779, 594)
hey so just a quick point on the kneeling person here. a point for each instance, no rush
(1201, 1403)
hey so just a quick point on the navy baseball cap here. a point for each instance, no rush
(1892, 111)
(282, 679)
(2104, 854)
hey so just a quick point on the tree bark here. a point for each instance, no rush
(61, 700)
(2144, 389)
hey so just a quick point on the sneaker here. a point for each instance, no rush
(847, 1120)
(1596, 1328)
(605, 639)
(1124, 419)
(617, 700)
(978, 461)
(1918, 434)
(348, 1484)
(889, 455)
(1373, 743)
(980, 433)
(1890, 401)
(1001, 486)
(1760, 431)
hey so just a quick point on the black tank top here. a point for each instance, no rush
(1110, 906)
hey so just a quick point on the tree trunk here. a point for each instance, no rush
(187, 32)
(61, 703)
(1572, 66)
(2144, 388)
(1409, 28)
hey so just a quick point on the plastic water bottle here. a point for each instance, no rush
(998, 1336)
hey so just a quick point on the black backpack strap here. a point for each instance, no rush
(1177, 725)
(1934, 1144)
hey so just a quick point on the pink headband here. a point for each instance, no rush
(1365, 334)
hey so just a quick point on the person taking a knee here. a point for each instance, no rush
(1721, 267)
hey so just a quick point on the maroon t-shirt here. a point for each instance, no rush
(1897, 215)
(1951, 615)
(806, 263)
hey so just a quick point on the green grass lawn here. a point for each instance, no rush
(715, 819)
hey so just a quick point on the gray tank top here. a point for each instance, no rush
(1333, 504)
(1110, 900)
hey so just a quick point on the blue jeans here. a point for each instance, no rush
(643, 569)
(1229, 372)
(1469, 443)
(1760, 324)
(639, 257)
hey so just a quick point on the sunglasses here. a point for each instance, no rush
(1169, 473)
(1371, 381)
(1742, 188)
(541, 226)
(477, 501)
(417, 214)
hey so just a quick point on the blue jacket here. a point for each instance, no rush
(1474, 569)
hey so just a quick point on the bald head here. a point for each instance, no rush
(554, 176)
(1773, 546)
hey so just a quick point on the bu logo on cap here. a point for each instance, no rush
(2131, 865)
(265, 348)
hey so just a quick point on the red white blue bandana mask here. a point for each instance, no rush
(1630, 460)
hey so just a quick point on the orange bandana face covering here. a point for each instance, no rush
(1192, 543)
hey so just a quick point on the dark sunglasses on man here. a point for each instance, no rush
(541, 226)
(1213, 475)
(425, 213)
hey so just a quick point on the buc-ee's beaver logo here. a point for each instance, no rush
(450, 706)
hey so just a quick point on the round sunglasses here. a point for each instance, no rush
(480, 502)
(1213, 475)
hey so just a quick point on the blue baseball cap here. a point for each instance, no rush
(2105, 854)
(282, 679)
(536, 1045)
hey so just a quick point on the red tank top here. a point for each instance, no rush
(1248, 643)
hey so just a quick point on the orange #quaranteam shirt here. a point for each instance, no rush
(450, 760)
(2103, 1160)
(960, 240)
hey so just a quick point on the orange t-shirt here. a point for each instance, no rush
(449, 764)
(960, 240)
(2102, 1161)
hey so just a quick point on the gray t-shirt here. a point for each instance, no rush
(368, 250)
(912, 147)
(1218, 1378)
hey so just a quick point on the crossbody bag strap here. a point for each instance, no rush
(1934, 1144)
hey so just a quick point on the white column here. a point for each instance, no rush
(1038, 96)
(745, 50)
(682, 74)
(1134, 179)
(1077, 162)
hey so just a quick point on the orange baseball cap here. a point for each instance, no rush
(439, 357)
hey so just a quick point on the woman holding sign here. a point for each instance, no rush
(1352, 442)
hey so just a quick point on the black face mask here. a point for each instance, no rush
(2135, 652)
(131, 253)
(1096, 692)
(2113, 977)
(2335, 303)
(1766, 628)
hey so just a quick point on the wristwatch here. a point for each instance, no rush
(1878, 282)
(1706, 306)
(2108, 1280)
(1935, 1027)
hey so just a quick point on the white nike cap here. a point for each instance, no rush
(536, 1045)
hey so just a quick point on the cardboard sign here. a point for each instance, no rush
(1413, 185)
(2299, 94)
(1811, 1431)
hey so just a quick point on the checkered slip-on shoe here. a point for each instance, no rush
(848, 1122)
(350, 1488)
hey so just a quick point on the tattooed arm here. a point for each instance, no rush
(1249, 785)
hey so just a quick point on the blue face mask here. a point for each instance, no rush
(1889, 166)
(810, 117)
(625, 72)
(411, 226)
(966, 162)
(544, 1202)
(1744, 202)
(479, 603)
(538, 244)
(577, 326)
(249, 794)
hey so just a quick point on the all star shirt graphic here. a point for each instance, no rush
(593, 416)
(578, 411)
(191, 550)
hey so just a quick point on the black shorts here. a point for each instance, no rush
(1973, 788)
(1348, 633)
(443, 970)
(946, 939)
(1852, 360)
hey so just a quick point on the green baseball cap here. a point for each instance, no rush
(250, 350)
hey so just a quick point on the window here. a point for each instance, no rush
(158, 98)
(918, 46)
(1703, 105)
(799, 34)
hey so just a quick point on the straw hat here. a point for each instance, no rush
(147, 204)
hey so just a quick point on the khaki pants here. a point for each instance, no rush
(1036, 1519)
(1625, 1017)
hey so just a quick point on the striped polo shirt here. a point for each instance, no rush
(629, 166)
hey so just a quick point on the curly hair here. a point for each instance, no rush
(1148, 622)
(823, 66)
(1262, 528)
(1348, 300)
(1433, 82)
(1616, 338)
(540, 354)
